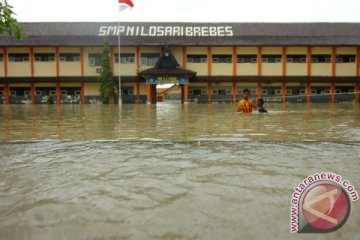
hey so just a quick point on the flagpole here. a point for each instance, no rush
(126, 4)
(119, 61)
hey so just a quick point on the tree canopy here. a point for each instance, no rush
(107, 84)
(8, 22)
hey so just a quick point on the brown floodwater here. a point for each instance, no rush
(168, 171)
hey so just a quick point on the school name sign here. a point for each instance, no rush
(167, 31)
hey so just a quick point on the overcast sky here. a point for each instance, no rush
(190, 10)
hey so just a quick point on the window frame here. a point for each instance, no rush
(345, 58)
(44, 57)
(151, 59)
(247, 58)
(18, 57)
(69, 57)
(221, 58)
(321, 58)
(272, 58)
(296, 58)
(95, 59)
(125, 58)
(196, 58)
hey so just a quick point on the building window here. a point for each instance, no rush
(197, 58)
(247, 58)
(321, 58)
(296, 58)
(95, 59)
(44, 57)
(69, 57)
(278, 92)
(222, 58)
(195, 91)
(253, 91)
(271, 58)
(1, 57)
(127, 91)
(126, 58)
(18, 57)
(149, 59)
(346, 58)
(221, 92)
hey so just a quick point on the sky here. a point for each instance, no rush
(188, 11)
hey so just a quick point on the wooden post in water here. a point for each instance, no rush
(7, 93)
(259, 70)
(308, 91)
(357, 93)
(209, 87)
(186, 93)
(234, 92)
(283, 87)
(82, 92)
(283, 92)
(137, 92)
(58, 93)
(148, 94)
(333, 73)
(234, 59)
(82, 72)
(332, 92)
(259, 89)
(32, 93)
(137, 60)
(308, 84)
(357, 86)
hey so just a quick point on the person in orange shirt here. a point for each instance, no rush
(246, 104)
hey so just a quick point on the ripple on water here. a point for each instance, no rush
(178, 173)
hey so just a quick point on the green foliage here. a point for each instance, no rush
(50, 100)
(107, 85)
(8, 23)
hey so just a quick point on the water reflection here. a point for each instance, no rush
(176, 122)
(162, 190)
(168, 171)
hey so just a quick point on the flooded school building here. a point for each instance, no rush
(282, 62)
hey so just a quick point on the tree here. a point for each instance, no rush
(8, 23)
(107, 85)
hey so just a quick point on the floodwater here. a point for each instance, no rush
(168, 171)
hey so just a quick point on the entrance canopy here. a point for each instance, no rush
(167, 71)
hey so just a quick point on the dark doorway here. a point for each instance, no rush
(153, 93)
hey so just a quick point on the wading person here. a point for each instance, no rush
(246, 104)
(260, 105)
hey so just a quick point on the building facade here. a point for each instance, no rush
(294, 62)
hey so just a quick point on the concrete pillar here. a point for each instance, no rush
(7, 93)
(332, 92)
(259, 89)
(58, 93)
(33, 93)
(234, 92)
(148, 94)
(357, 93)
(283, 92)
(82, 92)
(137, 92)
(186, 93)
(308, 92)
(209, 85)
